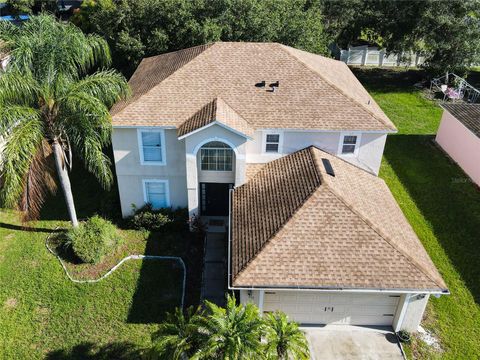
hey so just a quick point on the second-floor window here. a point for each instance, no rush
(152, 147)
(272, 143)
(216, 156)
(349, 144)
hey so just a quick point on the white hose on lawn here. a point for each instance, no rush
(130, 257)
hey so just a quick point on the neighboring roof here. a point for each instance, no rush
(314, 92)
(215, 111)
(467, 114)
(295, 226)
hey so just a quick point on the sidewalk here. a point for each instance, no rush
(214, 271)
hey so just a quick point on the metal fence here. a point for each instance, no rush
(372, 56)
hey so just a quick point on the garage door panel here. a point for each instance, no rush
(375, 299)
(354, 309)
(370, 320)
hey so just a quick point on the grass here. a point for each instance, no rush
(44, 315)
(443, 207)
(404, 104)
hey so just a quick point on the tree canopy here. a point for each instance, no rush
(447, 32)
(140, 28)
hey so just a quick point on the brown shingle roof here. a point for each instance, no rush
(314, 92)
(153, 70)
(216, 110)
(467, 114)
(293, 225)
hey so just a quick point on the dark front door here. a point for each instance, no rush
(214, 199)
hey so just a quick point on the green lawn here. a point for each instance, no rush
(44, 315)
(404, 104)
(442, 205)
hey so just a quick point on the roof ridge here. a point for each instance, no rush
(319, 174)
(382, 235)
(283, 47)
(207, 46)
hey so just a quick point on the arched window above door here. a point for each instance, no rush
(216, 156)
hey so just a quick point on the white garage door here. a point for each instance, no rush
(323, 308)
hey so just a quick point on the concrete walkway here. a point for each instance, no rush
(342, 342)
(214, 270)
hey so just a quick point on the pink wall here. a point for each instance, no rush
(461, 144)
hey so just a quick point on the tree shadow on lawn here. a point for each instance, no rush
(446, 197)
(391, 80)
(159, 287)
(28, 228)
(90, 351)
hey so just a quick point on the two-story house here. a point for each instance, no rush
(300, 142)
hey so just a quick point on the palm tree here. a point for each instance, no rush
(230, 333)
(54, 100)
(284, 339)
(177, 337)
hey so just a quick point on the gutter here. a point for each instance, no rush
(339, 289)
(265, 129)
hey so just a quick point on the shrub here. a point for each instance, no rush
(151, 219)
(93, 239)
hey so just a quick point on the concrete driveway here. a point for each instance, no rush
(352, 342)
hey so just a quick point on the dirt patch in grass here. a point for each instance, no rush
(10, 303)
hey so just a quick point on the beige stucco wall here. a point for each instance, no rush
(182, 160)
(371, 151)
(193, 143)
(252, 296)
(461, 144)
(369, 156)
(130, 172)
(413, 316)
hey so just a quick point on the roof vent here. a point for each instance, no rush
(260, 84)
(274, 86)
(328, 167)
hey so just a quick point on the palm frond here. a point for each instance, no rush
(284, 338)
(39, 182)
(45, 43)
(8, 31)
(17, 88)
(12, 115)
(107, 86)
(21, 147)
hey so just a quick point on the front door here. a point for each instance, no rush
(214, 199)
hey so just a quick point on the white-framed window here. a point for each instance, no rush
(272, 142)
(349, 144)
(151, 143)
(216, 156)
(156, 192)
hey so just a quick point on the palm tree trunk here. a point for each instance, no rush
(64, 181)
